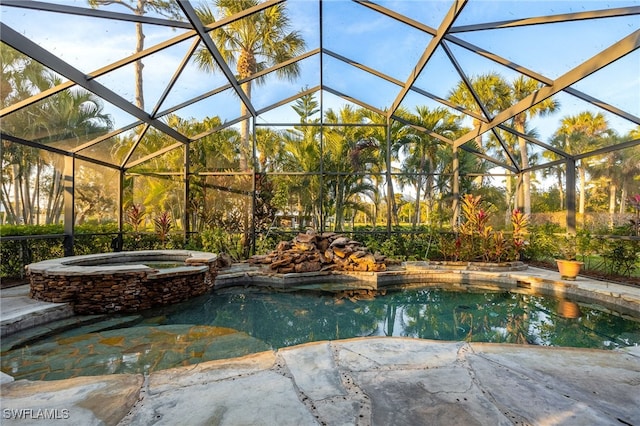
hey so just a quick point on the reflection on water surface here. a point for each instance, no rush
(233, 323)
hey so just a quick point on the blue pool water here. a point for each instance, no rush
(239, 322)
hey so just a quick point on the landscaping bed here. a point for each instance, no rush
(592, 273)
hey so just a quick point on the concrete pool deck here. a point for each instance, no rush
(358, 381)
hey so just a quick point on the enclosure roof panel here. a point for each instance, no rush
(156, 75)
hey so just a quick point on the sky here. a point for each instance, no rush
(368, 38)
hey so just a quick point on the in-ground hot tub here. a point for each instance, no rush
(123, 282)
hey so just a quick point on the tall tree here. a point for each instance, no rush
(630, 169)
(497, 94)
(468, 165)
(522, 87)
(397, 132)
(579, 134)
(493, 95)
(166, 8)
(607, 169)
(420, 148)
(21, 77)
(253, 44)
(347, 156)
(65, 119)
(215, 152)
(301, 153)
(556, 172)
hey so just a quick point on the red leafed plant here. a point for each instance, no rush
(477, 240)
(520, 222)
(163, 224)
(135, 216)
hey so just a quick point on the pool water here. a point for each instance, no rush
(235, 323)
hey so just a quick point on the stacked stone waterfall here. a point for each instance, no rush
(311, 252)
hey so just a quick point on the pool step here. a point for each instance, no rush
(32, 334)
(67, 327)
(109, 323)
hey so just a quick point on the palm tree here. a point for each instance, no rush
(397, 132)
(522, 87)
(347, 153)
(493, 92)
(556, 171)
(21, 77)
(253, 44)
(630, 169)
(215, 152)
(607, 169)
(511, 141)
(620, 170)
(468, 164)
(579, 134)
(421, 149)
(496, 94)
(300, 153)
(64, 120)
(269, 148)
(156, 190)
(166, 8)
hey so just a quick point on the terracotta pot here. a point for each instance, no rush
(569, 269)
(568, 309)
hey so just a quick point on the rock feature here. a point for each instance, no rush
(312, 252)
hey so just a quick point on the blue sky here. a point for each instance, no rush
(366, 37)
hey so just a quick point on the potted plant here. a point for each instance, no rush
(568, 265)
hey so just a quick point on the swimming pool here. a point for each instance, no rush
(239, 321)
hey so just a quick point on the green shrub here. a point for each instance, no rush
(218, 241)
(16, 253)
(20, 230)
(621, 257)
(141, 241)
(543, 244)
(48, 243)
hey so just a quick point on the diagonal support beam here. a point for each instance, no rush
(549, 19)
(29, 48)
(94, 13)
(134, 57)
(199, 27)
(601, 104)
(447, 22)
(174, 77)
(591, 65)
(354, 100)
(53, 149)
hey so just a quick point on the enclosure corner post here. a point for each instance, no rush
(186, 195)
(520, 192)
(455, 190)
(570, 190)
(69, 204)
(390, 199)
(254, 172)
(117, 242)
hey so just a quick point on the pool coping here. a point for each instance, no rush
(112, 263)
(537, 281)
(19, 312)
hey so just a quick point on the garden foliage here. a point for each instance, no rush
(477, 240)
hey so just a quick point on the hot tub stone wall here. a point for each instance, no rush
(126, 291)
